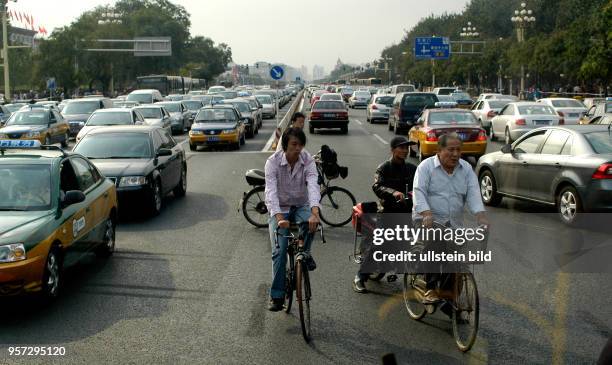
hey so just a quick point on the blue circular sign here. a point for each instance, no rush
(277, 72)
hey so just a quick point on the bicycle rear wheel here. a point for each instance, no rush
(412, 297)
(337, 206)
(303, 296)
(467, 311)
(289, 282)
(254, 207)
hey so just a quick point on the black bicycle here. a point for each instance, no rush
(297, 278)
(336, 202)
(458, 291)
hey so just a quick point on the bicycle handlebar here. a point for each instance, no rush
(292, 236)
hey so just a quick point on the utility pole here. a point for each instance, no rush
(5, 53)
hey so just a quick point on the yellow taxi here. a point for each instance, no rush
(55, 208)
(435, 122)
(218, 125)
(38, 123)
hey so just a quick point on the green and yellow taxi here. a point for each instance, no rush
(217, 125)
(38, 123)
(55, 208)
(435, 122)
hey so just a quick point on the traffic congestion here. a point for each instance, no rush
(259, 214)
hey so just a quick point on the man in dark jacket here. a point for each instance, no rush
(393, 179)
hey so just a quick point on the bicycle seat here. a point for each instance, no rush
(255, 177)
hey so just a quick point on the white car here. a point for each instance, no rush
(216, 89)
(332, 96)
(268, 106)
(379, 107)
(486, 109)
(571, 110)
(359, 98)
(107, 117)
(516, 119)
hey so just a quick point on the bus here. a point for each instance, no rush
(170, 84)
(372, 81)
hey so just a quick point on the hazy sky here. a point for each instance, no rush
(305, 32)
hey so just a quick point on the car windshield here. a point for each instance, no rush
(385, 100)
(81, 107)
(125, 104)
(328, 105)
(216, 116)
(419, 100)
(229, 94)
(153, 113)
(536, 110)
(253, 104)
(264, 99)
(608, 107)
(115, 146)
(29, 118)
(446, 99)
(331, 97)
(242, 107)
(25, 187)
(567, 104)
(347, 90)
(141, 98)
(216, 89)
(404, 88)
(14, 107)
(460, 96)
(172, 107)
(451, 118)
(362, 94)
(192, 104)
(110, 118)
(498, 104)
(600, 141)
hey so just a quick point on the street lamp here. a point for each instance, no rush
(469, 31)
(521, 19)
(109, 16)
(5, 49)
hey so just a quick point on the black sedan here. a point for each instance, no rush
(569, 167)
(145, 163)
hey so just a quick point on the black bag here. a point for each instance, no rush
(329, 163)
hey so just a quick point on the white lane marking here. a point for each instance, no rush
(301, 105)
(380, 139)
(203, 153)
(357, 121)
(184, 142)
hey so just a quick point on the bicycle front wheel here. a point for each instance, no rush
(412, 297)
(466, 312)
(254, 207)
(303, 296)
(337, 206)
(289, 281)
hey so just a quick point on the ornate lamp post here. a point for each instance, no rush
(522, 19)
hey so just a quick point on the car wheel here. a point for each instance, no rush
(507, 137)
(47, 140)
(155, 201)
(493, 137)
(181, 189)
(390, 126)
(396, 129)
(311, 129)
(344, 130)
(107, 247)
(52, 275)
(193, 147)
(411, 151)
(569, 205)
(488, 189)
(66, 139)
(243, 139)
(420, 156)
(251, 133)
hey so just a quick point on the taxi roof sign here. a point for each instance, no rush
(19, 143)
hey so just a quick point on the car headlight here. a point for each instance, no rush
(33, 134)
(81, 124)
(12, 253)
(132, 181)
(196, 132)
(228, 131)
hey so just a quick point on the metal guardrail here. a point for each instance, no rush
(284, 123)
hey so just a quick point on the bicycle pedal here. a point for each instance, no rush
(430, 308)
(391, 278)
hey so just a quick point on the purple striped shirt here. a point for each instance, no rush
(286, 188)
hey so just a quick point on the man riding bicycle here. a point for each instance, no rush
(292, 195)
(392, 180)
(443, 185)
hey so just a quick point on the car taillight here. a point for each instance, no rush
(482, 136)
(561, 121)
(343, 115)
(521, 122)
(374, 106)
(431, 136)
(561, 114)
(603, 172)
(491, 113)
(315, 115)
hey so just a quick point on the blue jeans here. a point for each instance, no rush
(300, 216)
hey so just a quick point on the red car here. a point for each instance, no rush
(328, 114)
(316, 96)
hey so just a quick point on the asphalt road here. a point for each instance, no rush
(190, 286)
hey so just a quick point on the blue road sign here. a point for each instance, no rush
(277, 72)
(437, 48)
(51, 83)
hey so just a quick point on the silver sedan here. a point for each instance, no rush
(516, 119)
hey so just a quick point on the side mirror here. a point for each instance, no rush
(72, 197)
(164, 152)
(507, 149)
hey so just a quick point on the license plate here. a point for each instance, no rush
(329, 115)
(463, 136)
(572, 115)
(386, 115)
(542, 122)
(212, 139)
